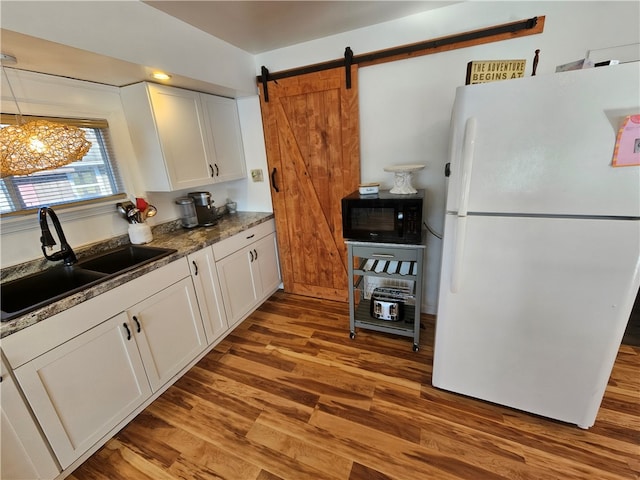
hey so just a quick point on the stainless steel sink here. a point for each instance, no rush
(26, 294)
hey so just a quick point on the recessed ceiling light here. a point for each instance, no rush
(161, 76)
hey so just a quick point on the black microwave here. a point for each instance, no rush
(383, 217)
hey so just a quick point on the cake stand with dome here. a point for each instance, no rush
(402, 181)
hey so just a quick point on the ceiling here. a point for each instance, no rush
(261, 26)
(253, 26)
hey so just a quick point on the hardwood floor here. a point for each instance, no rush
(289, 396)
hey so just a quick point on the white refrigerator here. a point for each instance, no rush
(541, 252)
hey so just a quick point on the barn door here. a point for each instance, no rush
(312, 141)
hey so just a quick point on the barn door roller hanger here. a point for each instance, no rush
(505, 31)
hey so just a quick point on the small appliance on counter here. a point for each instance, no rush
(205, 211)
(188, 216)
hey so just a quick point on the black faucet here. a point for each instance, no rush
(65, 253)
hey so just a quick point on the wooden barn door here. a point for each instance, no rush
(312, 139)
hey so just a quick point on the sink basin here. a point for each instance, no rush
(33, 291)
(124, 258)
(25, 294)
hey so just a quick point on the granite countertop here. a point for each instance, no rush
(168, 235)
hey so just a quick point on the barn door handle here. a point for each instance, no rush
(273, 179)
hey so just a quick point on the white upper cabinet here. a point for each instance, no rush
(221, 119)
(183, 139)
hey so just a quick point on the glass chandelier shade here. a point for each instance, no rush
(40, 145)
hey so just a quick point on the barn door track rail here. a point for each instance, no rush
(506, 31)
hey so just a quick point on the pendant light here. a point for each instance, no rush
(38, 144)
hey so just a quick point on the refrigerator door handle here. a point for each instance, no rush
(468, 148)
(458, 254)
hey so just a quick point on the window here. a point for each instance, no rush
(95, 177)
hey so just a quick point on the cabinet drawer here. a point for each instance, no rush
(240, 240)
(382, 253)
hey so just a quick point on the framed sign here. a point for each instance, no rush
(484, 71)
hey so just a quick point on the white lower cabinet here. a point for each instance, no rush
(267, 266)
(24, 452)
(80, 390)
(248, 274)
(205, 281)
(168, 330)
(87, 370)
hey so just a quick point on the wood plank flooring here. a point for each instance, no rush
(289, 396)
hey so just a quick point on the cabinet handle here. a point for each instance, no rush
(135, 319)
(211, 169)
(251, 236)
(251, 253)
(273, 180)
(255, 252)
(217, 169)
(195, 265)
(383, 255)
(126, 327)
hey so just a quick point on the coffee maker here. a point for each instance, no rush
(205, 211)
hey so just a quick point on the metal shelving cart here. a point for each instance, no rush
(391, 265)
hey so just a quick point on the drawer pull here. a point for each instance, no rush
(126, 327)
(135, 319)
(251, 236)
(383, 255)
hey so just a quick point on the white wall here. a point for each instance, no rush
(39, 94)
(48, 95)
(405, 105)
(137, 33)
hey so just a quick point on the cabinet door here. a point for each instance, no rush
(221, 118)
(168, 330)
(266, 266)
(207, 286)
(82, 389)
(183, 137)
(239, 289)
(24, 454)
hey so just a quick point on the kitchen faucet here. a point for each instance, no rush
(65, 253)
